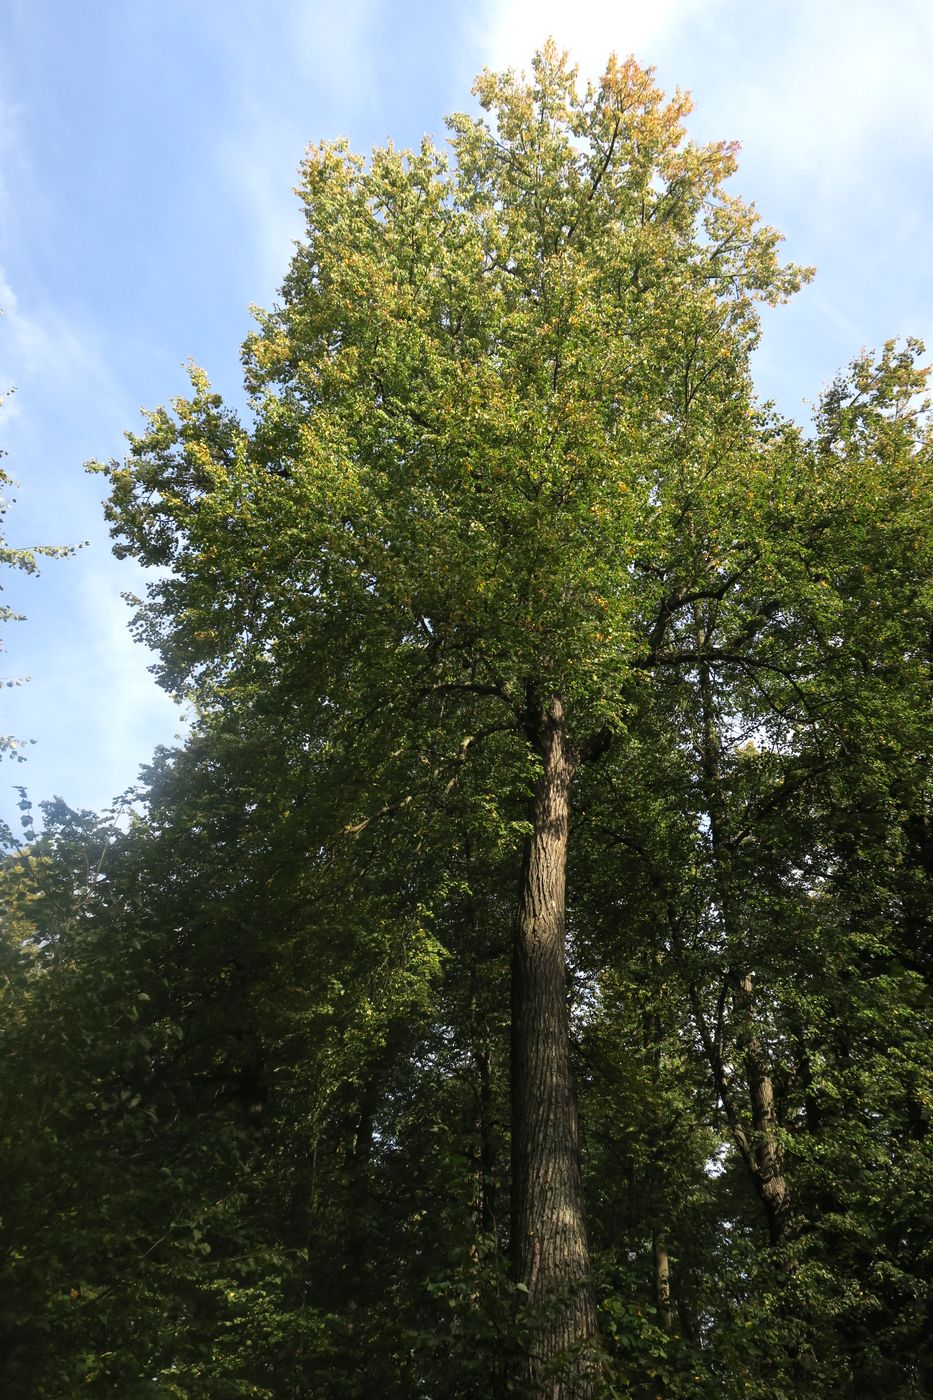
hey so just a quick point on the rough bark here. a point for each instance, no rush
(550, 1252)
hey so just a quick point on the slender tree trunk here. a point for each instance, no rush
(550, 1253)
(662, 1283)
(485, 1150)
(769, 1179)
(761, 1152)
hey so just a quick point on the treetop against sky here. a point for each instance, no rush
(149, 155)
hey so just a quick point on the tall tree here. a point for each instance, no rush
(503, 426)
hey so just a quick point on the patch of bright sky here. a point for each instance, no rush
(147, 157)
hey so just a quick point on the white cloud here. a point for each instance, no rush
(820, 89)
(590, 29)
(91, 707)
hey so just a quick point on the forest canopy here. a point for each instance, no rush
(519, 982)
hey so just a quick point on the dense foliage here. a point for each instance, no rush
(508, 528)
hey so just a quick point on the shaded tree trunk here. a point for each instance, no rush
(662, 1283)
(550, 1252)
(761, 1149)
(766, 1158)
(485, 1151)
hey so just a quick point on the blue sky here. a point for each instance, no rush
(148, 150)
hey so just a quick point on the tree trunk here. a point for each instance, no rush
(485, 1150)
(550, 1253)
(662, 1283)
(769, 1179)
(762, 1151)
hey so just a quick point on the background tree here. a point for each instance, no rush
(765, 862)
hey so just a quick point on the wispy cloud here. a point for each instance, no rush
(329, 76)
(259, 177)
(130, 708)
(41, 345)
(333, 49)
(91, 706)
(839, 94)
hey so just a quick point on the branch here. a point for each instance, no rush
(712, 656)
(496, 691)
(779, 796)
(467, 743)
(357, 827)
(712, 1047)
(682, 598)
(596, 744)
(598, 177)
